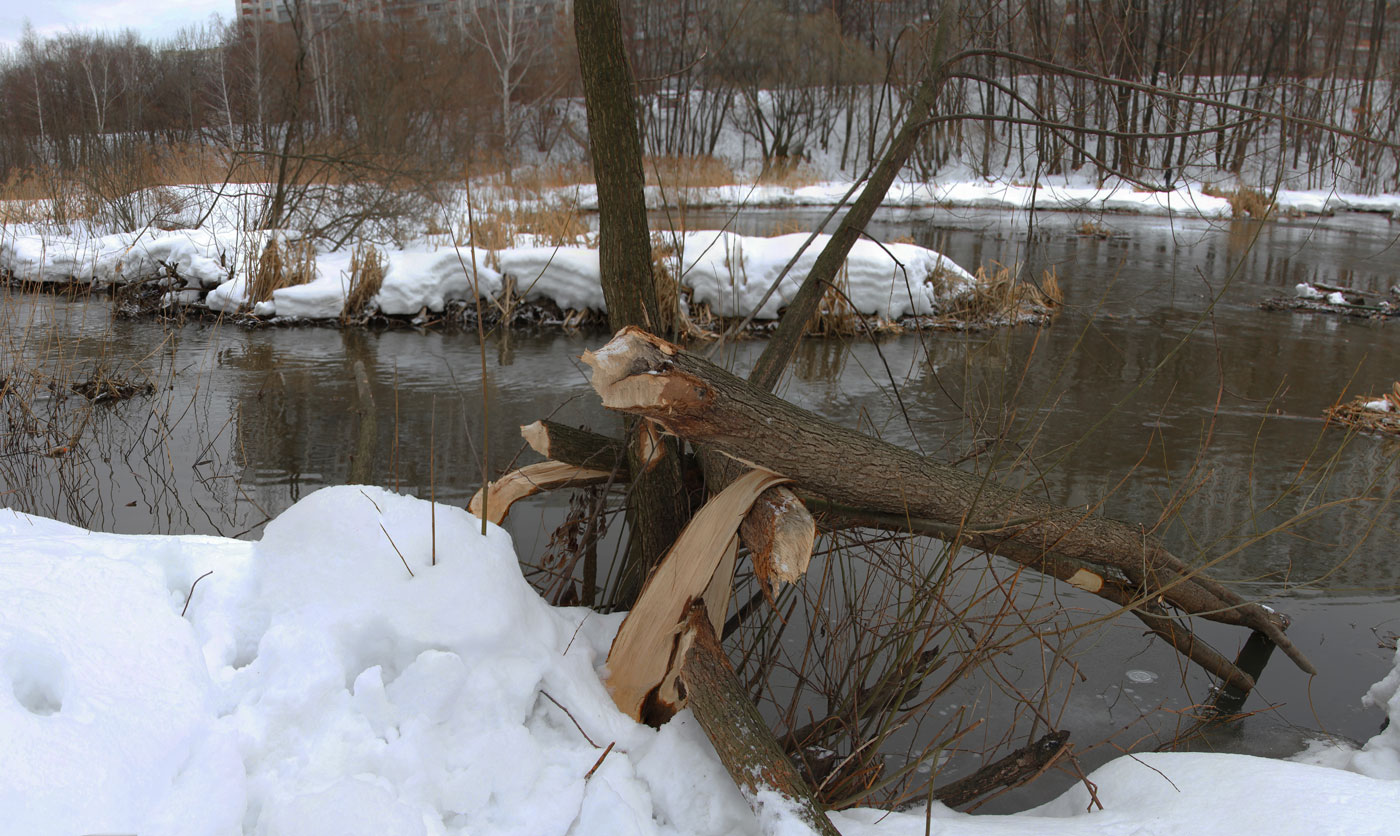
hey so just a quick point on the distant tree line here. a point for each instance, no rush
(1257, 84)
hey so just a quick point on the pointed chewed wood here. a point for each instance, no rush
(644, 654)
(779, 532)
(494, 500)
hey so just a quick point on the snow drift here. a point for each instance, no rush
(377, 665)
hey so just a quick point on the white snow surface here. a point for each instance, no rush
(728, 271)
(313, 686)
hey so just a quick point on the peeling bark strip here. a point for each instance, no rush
(741, 738)
(646, 654)
(527, 481)
(643, 375)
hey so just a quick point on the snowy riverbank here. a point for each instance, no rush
(729, 273)
(204, 252)
(310, 684)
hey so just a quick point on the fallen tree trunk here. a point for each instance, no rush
(741, 738)
(1011, 771)
(644, 375)
(778, 531)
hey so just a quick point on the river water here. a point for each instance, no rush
(1162, 391)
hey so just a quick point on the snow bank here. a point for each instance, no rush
(202, 258)
(732, 272)
(727, 271)
(315, 686)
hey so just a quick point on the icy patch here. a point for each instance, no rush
(1381, 405)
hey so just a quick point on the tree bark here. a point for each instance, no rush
(575, 446)
(643, 375)
(657, 507)
(1011, 771)
(741, 738)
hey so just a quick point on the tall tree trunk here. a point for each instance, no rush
(656, 509)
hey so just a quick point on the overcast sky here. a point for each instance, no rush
(152, 19)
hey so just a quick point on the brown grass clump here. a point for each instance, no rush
(836, 317)
(789, 172)
(1000, 295)
(677, 172)
(552, 225)
(1356, 415)
(103, 387)
(542, 178)
(366, 278)
(1244, 202)
(1093, 230)
(282, 264)
(668, 288)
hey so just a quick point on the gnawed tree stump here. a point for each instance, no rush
(741, 738)
(643, 375)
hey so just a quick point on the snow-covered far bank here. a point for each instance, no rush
(377, 665)
(1054, 194)
(729, 273)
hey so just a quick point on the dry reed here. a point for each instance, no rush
(1244, 202)
(282, 264)
(1000, 295)
(1355, 414)
(366, 278)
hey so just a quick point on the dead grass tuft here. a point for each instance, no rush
(1355, 414)
(676, 172)
(551, 225)
(366, 278)
(788, 172)
(1001, 295)
(1244, 202)
(282, 264)
(104, 387)
(836, 317)
(668, 288)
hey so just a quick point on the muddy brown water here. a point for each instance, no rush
(1161, 385)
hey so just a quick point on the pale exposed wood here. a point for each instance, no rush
(645, 647)
(741, 738)
(779, 532)
(527, 481)
(696, 400)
